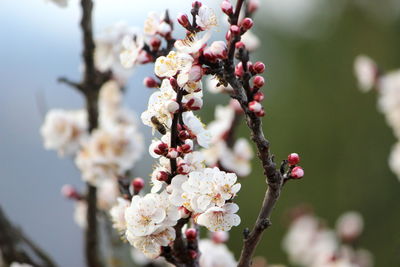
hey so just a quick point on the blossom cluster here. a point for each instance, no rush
(102, 155)
(185, 186)
(388, 87)
(310, 243)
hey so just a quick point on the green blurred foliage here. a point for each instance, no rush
(314, 108)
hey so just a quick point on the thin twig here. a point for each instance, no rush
(273, 176)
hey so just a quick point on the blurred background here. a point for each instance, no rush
(312, 102)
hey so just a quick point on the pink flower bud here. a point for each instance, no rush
(162, 176)
(164, 28)
(247, 24)
(172, 153)
(297, 172)
(261, 113)
(173, 82)
(172, 106)
(183, 19)
(196, 4)
(191, 234)
(235, 30)
(70, 192)
(259, 96)
(259, 67)
(239, 71)
(150, 82)
(258, 81)
(293, 159)
(185, 213)
(183, 168)
(137, 184)
(220, 237)
(227, 7)
(253, 5)
(155, 43)
(228, 35)
(240, 45)
(255, 106)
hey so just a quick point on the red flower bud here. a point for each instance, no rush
(261, 113)
(191, 234)
(150, 82)
(193, 253)
(196, 4)
(235, 29)
(240, 45)
(161, 149)
(297, 172)
(247, 24)
(259, 67)
(227, 7)
(293, 159)
(155, 43)
(259, 96)
(183, 19)
(255, 106)
(70, 192)
(239, 69)
(137, 184)
(183, 168)
(258, 81)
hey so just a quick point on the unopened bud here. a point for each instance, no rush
(261, 113)
(259, 96)
(183, 168)
(191, 234)
(235, 30)
(137, 185)
(70, 192)
(150, 82)
(240, 45)
(255, 106)
(196, 4)
(297, 172)
(194, 103)
(184, 212)
(161, 148)
(293, 159)
(183, 19)
(239, 71)
(259, 67)
(172, 106)
(247, 24)
(227, 7)
(258, 81)
(155, 43)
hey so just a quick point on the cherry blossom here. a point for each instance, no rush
(220, 218)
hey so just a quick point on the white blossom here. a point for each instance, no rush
(131, 50)
(206, 18)
(215, 255)
(349, 225)
(251, 41)
(220, 218)
(150, 245)
(194, 124)
(192, 43)
(61, 3)
(366, 72)
(117, 213)
(109, 46)
(238, 159)
(109, 153)
(224, 116)
(64, 130)
(154, 24)
(17, 264)
(169, 65)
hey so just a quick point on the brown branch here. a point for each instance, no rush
(14, 244)
(273, 176)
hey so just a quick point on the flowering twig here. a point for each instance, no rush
(13, 244)
(242, 92)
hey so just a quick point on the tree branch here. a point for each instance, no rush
(14, 244)
(273, 176)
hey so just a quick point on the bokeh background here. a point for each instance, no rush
(312, 103)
